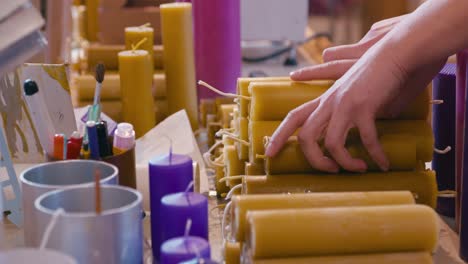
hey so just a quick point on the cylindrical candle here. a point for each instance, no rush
(421, 183)
(217, 44)
(443, 124)
(136, 80)
(168, 174)
(221, 187)
(133, 35)
(233, 165)
(380, 258)
(243, 89)
(92, 25)
(224, 113)
(241, 204)
(243, 150)
(180, 249)
(254, 168)
(400, 150)
(341, 230)
(232, 252)
(177, 208)
(179, 64)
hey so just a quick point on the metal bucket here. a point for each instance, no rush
(51, 176)
(113, 236)
(34, 255)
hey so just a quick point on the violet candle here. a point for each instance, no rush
(463, 180)
(168, 174)
(184, 248)
(177, 208)
(217, 44)
(443, 124)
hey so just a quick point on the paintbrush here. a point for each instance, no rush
(94, 112)
(97, 182)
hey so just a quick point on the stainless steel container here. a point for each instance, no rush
(51, 176)
(114, 236)
(34, 255)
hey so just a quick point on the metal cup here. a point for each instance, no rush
(51, 176)
(113, 236)
(34, 255)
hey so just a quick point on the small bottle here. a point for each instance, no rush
(124, 138)
(74, 146)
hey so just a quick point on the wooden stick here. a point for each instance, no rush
(97, 181)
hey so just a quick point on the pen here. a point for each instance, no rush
(124, 138)
(104, 148)
(42, 121)
(93, 139)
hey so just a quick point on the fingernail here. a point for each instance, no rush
(268, 151)
(293, 73)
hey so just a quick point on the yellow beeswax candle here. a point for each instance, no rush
(221, 187)
(274, 100)
(92, 25)
(243, 89)
(133, 35)
(254, 169)
(85, 84)
(341, 230)
(108, 55)
(421, 183)
(420, 257)
(234, 166)
(241, 204)
(227, 141)
(400, 150)
(420, 129)
(136, 77)
(225, 114)
(232, 252)
(212, 128)
(179, 64)
(207, 107)
(243, 150)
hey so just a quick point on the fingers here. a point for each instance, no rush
(308, 137)
(330, 70)
(335, 144)
(369, 138)
(293, 120)
(352, 51)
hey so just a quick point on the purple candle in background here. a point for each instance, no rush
(443, 124)
(217, 44)
(462, 60)
(168, 174)
(177, 208)
(464, 175)
(184, 248)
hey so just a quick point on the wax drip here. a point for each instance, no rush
(202, 83)
(436, 102)
(447, 194)
(227, 209)
(444, 151)
(231, 192)
(50, 227)
(226, 178)
(139, 43)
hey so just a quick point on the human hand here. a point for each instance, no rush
(353, 101)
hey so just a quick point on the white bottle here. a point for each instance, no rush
(124, 138)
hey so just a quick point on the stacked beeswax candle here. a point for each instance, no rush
(382, 199)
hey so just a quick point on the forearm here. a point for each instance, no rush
(434, 31)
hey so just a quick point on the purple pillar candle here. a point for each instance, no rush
(443, 124)
(217, 44)
(168, 174)
(462, 59)
(177, 208)
(184, 248)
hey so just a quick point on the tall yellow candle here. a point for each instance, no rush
(243, 89)
(92, 26)
(179, 63)
(341, 230)
(136, 78)
(421, 257)
(232, 252)
(133, 35)
(241, 204)
(221, 187)
(254, 169)
(233, 166)
(421, 183)
(400, 150)
(243, 150)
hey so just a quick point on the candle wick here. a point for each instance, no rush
(231, 192)
(227, 209)
(202, 83)
(146, 25)
(188, 226)
(443, 151)
(447, 194)
(232, 136)
(138, 44)
(436, 102)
